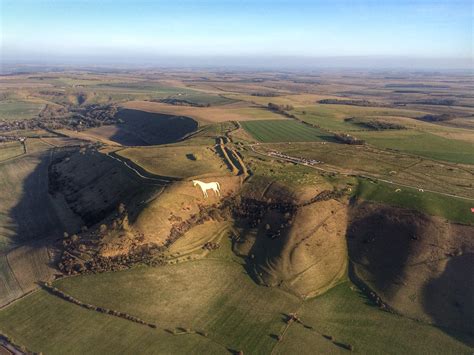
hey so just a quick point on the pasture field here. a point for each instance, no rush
(430, 142)
(46, 323)
(24, 215)
(202, 98)
(8, 283)
(10, 150)
(176, 161)
(28, 214)
(331, 117)
(221, 300)
(350, 318)
(422, 144)
(421, 138)
(284, 131)
(392, 166)
(27, 211)
(21, 269)
(18, 110)
(294, 176)
(218, 296)
(453, 209)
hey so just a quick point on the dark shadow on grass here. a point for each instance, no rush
(449, 299)
(138, 128)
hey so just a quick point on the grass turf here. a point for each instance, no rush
(283, 131)
(454, 209)
(17, 110)
(423, 144)
(215, 296)
(176, 161)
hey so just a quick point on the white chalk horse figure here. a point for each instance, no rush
(214, 186)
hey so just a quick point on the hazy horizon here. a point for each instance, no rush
(432, 34)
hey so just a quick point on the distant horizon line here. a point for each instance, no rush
(260, 62)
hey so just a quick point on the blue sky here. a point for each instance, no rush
(68, 28)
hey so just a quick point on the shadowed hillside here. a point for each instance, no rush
(139, 128)
(420, 265)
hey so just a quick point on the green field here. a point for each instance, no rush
(454, 209)
(348, 316)
(214, 295)
(332, 117)
(422, 144)
(18, 110)
(45, 323)
(412, 141)
(385, 164)
(10, 150)
(283, 131)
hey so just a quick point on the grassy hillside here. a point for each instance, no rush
(346, 315)
(176, 161)
(21, 269)
(211, 291)
(423, 144)
(45, 323)
(145, 128)
(220, 300)
(453, 209)
(27, 212)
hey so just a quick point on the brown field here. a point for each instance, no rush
(231, 112)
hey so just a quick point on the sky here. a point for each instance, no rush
(145, 31)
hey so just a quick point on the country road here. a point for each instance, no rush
(298, 161)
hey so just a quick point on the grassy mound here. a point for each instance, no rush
(309, 255)
(420, 265)
(176, 161)
(169, 213)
